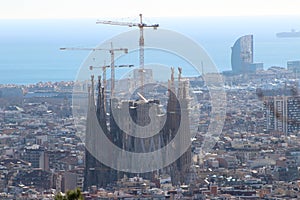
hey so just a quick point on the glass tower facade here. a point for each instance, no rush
(242, 54)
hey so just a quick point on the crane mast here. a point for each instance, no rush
(141, 26)
(112, 56)
(112, 64)
(103, 75)
(104, 67)
(141, 44)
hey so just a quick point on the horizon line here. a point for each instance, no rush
(152, 17)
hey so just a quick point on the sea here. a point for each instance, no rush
(29, 49)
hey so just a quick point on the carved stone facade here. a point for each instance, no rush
(175, 119)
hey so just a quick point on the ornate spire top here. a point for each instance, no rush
(172, 75)
(180, 72)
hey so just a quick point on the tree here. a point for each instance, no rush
(70, 195)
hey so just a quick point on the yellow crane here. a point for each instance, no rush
(112, 54)
(141, 25)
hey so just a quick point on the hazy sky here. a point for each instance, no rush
(150, 8)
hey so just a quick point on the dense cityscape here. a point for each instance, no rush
(257, 155)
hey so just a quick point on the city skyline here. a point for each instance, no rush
(38, 42)
(183, 122)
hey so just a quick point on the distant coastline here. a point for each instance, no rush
(31, 47)
(292, 34)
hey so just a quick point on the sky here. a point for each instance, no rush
(53, 9)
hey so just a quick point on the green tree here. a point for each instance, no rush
(70, 195)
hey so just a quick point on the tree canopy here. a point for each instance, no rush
(70, 195)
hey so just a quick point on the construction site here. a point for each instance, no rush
(138, 94)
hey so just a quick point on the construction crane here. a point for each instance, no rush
(103, 76)
(141, 26)
(112, 56)
(104, 67)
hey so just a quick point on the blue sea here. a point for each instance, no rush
(29, 49)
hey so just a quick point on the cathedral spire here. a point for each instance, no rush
(179, 85)
(92, 88)
(171, 86)
(99, 98)
(172, 75)
(101, 113)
